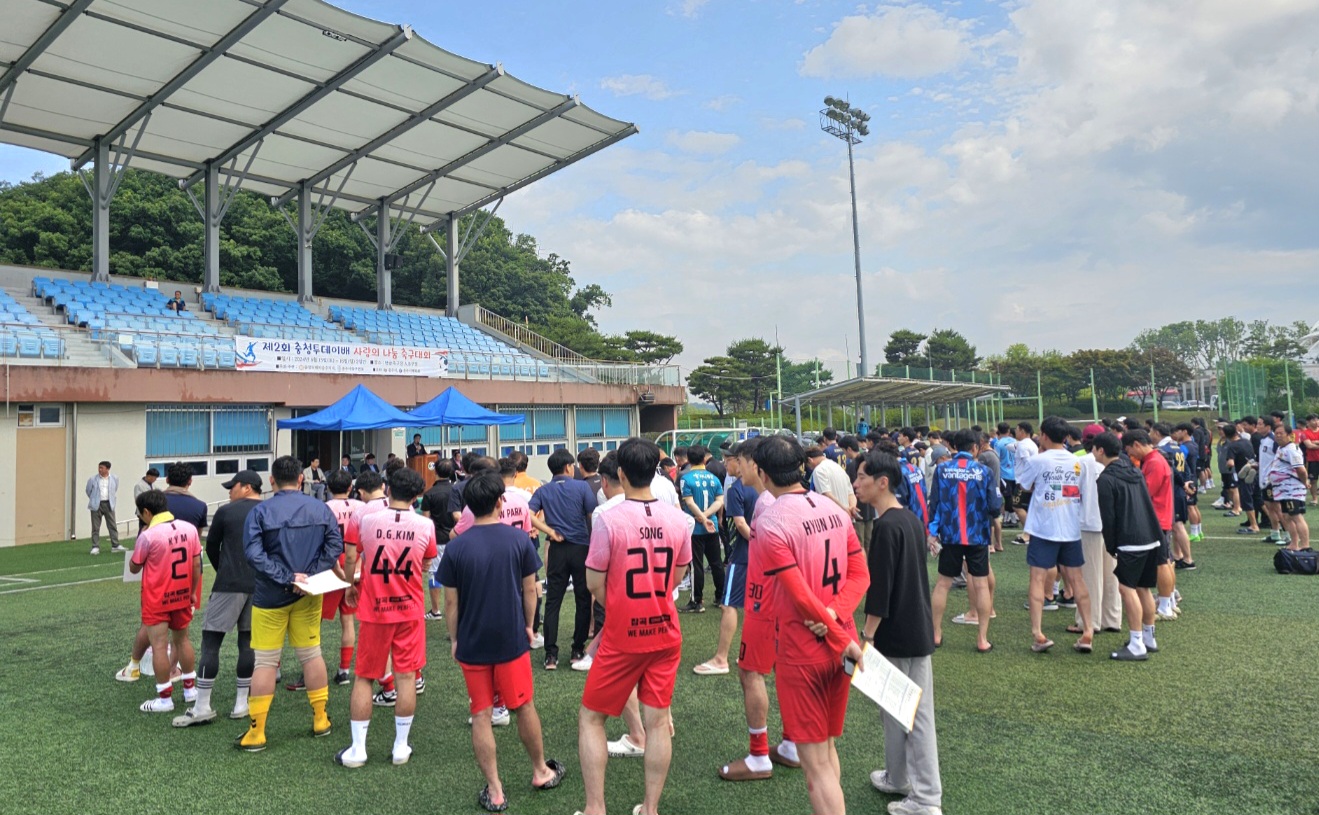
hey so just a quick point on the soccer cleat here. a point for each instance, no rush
(295, 684)
(1185, 565)
(384, 698)
(157, 705)
(551, 663)
(583, 664)
(254, 746)
(434, 614)
(692, 607)
(117, 549)
(128, 674)
(343, 759)
(192, 717)
(421, 684)
(1165, 614)
(321, 727)
(1067, 602)
(401, 755)
(879, 780)
(537, 642)
(624, 748)
(96, 550)
(342, 677)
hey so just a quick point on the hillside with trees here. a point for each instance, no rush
(156, 233)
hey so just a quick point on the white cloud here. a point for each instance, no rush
(724, 102)
(688, 8)
(898, 41)
(638, 85)
(701, 141)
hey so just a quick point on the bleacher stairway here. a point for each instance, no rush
(80, 350)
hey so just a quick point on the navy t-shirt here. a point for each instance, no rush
(740, 503)
(567, 505)
(486, 565)
(187, 508)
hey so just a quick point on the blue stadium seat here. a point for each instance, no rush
(169, 355)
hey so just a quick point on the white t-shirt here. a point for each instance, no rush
(1054, 477)
(104, 483)
(1024, 449)
(664, 490)
(829, 478)
(1090, 470)
(1267, 452)
(1282, 476)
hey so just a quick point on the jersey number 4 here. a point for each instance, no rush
(663, 566)
(402, 567)
(832, 576)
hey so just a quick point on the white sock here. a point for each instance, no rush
(134, 665)
(359, 736)
(402, 726)
(1165, 603)
(203, 703)
(759, 764)
(1148, 637)
(240, 698)
(788, 749)
(1137, 644)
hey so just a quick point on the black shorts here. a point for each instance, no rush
(1138, 570)
(1248, 492)
(1312, 467)
(1180, 514)
(1229, 480)
(1268, 494)
(1164, 553)
(1010, 495)
(1292, 507)
(952, 557)
(1023, 499)
(1193, 499)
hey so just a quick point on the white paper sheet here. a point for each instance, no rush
(322, 583)
(129, 577)
(890, 688)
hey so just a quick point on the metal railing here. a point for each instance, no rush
(928, 374)
(14, 351)
(523, 335)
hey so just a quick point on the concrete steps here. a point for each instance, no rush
(80, 350)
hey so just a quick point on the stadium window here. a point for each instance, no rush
(241, 430)
(618, 422)
(590, 423)
(550, 424)
(226, 466)
(40, 415)
(560, 446)
(180, 431)
(542, 449)
(611, 445)
(258, 465)
(430, 436)
(198, 467)
(505, 452)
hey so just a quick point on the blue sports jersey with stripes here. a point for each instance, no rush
(963, 497)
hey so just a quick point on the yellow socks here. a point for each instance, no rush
(320, 723)
(258, 708)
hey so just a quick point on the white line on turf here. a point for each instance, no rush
(59, 585)
(98, 565)
(10, 579)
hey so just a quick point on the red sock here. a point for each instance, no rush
(345, 658)
(189, 684)
(387, 684)
(165, 691)
(759, 743)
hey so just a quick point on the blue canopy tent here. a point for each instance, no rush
(359, 409)
(451, 408)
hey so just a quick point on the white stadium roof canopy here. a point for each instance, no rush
(280, 92)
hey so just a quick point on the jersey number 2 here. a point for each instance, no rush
(180, 558)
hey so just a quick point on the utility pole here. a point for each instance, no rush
(840, 120)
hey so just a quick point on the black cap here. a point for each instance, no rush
(245, 477)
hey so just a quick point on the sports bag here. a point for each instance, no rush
(1290, 561)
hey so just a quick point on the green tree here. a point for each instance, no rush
(903, 348)
(650, 347)
(721, 381)
(800, 377)
(757, 359)
(948, 350)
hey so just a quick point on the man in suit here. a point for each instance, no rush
(369, 463)
(102, 492)
(416, 448)
(313, 480)
(348, 466)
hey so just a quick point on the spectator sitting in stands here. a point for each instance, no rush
(176, 304)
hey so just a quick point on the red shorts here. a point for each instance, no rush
(759, 645)
(615, 673)
(333, 601)
(178, 619)
(812, 700)
(376, 641)
(510, 680)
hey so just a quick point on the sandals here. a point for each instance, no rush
(559, 772)
(739, 771)
(1041, 647)
(980, 650)
(783, 761)
(490, 806)
(1083, 647)
(1075, 629)
(706, 669)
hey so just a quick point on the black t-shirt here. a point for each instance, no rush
(1240, 452)
(717, 467)
(224, 547)
(852, 466)
(900, 586)
(436, 502)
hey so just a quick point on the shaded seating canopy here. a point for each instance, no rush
(451, 408)
(359, 409)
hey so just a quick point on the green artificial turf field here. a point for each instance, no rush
(1222, 720)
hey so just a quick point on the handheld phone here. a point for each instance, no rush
(849, 666)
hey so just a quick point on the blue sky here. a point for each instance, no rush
(1056, 172)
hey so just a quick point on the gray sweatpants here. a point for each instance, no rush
(104, 511)
(912, 759)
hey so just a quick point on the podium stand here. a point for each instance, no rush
(425, 466)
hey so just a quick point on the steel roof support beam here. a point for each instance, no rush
(383, 50)
(207, 56)
(397, 130)
(485, 149)
(67, 17)
(536, 176)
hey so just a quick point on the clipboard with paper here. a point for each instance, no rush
(888, 687)
(322, 583)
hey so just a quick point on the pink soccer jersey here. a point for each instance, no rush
(637, 544)
(810, 532)
(166, 552)
(516, 513)
(394, 545)
(343, 509)
(350, 532)
(759, 600)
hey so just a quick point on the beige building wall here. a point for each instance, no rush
(114, 432)
(8, 452)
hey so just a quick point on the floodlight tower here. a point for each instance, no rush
(839, 119)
